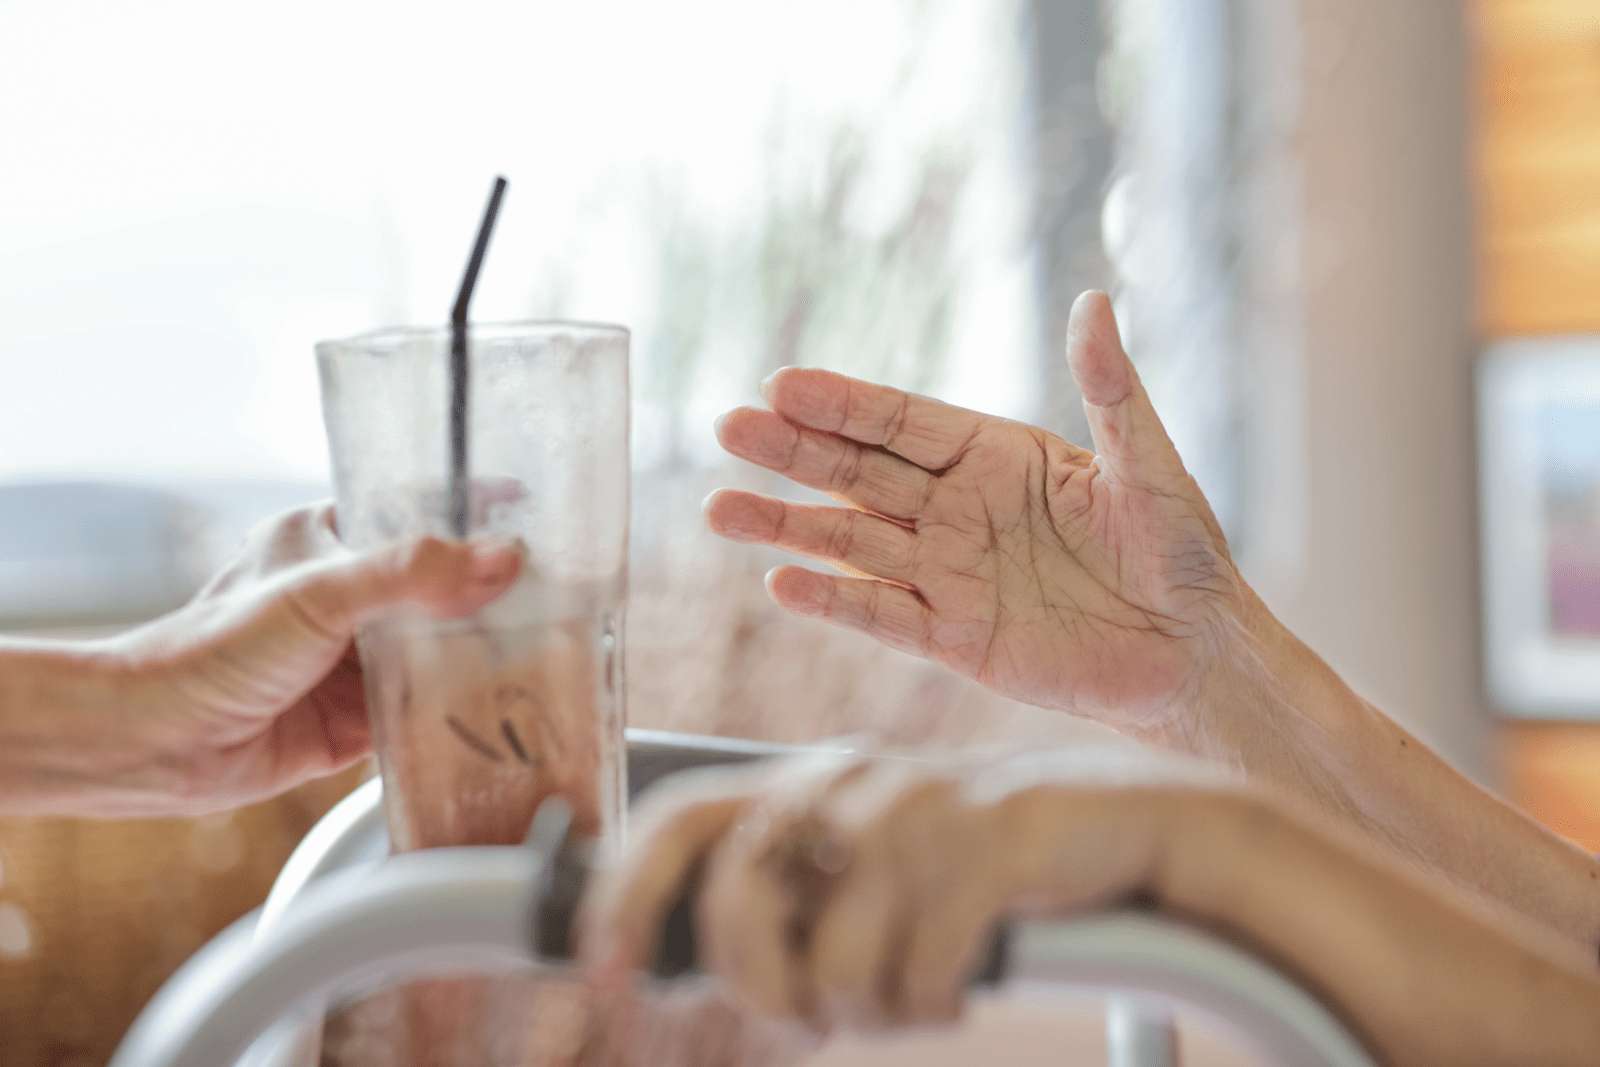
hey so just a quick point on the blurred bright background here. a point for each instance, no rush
(197, 192)
(1310, 213)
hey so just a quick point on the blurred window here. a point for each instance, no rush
(906, 190)
(197, 192)
(1201, 225)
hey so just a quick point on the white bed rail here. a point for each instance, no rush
(342, 920)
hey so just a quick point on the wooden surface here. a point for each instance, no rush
(1538, 166)
(1552, 772)
(95, 915)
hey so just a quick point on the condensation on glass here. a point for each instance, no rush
(476, 721)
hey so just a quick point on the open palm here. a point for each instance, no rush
(1094, 583)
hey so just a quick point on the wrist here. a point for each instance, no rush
(1208, 863)
(1069, 847)
(1261, 700)
(72, 725)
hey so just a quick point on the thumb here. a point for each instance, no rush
(442, 578)
(1127, 431)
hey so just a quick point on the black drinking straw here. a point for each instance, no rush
(460, 511)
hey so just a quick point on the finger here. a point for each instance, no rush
(865, 543)
(330, 519)
(445, 579)
(325, 518)
(748, 930)
(852, 945)
(317, 737)
(622, 912)
(310, 740)
(340, 702)
(1127, 431)
(677, 824)
(340, 705)
(929, 433)
(889, 613)
(866, 477)
(942, 949)
(755, 920)
(914, 824)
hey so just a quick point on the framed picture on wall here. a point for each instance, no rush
(1539, 441)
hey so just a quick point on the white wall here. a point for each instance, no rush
(1381, 466)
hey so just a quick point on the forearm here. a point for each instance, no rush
(1274, 709)
(66, 740)
(1423, 981)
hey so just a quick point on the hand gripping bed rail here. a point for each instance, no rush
(342, 920)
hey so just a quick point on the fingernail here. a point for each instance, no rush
(722, 420)
(767, 383)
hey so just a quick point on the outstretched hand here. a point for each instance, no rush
(1091, 582)
(253, 686)
(1100, 584)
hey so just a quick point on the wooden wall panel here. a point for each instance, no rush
(94, 915)
(1552, 772)
(1538, 166)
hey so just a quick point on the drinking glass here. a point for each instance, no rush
(477, 720)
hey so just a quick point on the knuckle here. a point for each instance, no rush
(849, 412)
(323, 513)
(896, 424)
(842, 538)
(898, 553)
(834, 605)
(872, 606)
(419, 563)
(314, 602)
(797, 441)
(780, 522)
(847, 469)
